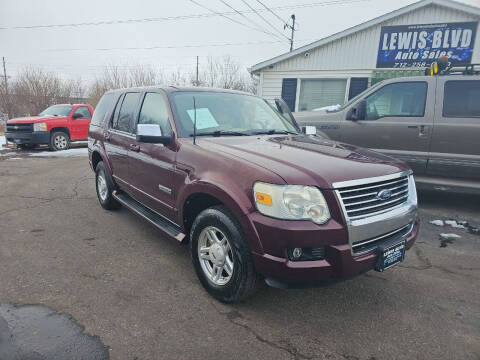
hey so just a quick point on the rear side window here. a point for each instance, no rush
(127, 111)
(154, 111)
(461, 99)
(101, 110)
(404, 99)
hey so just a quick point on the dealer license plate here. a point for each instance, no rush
(390, 256)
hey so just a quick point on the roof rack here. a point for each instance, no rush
(470, 69)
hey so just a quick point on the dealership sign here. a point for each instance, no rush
(420, 45)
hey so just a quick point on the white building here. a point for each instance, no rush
(401, 43)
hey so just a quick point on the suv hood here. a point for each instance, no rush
(33, 119)
(306, 160)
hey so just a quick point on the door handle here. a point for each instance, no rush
(421, 131)
(134, 147)
(107, 136)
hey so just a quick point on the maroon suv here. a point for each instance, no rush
(235, 177)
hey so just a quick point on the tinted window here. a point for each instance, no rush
(461, 99)
(101, 110)
(154, 111)
(404, 99)
(127, 111)
(84, 112)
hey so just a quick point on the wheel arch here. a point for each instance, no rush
(203, 196)
(64, 129)
(98, 155)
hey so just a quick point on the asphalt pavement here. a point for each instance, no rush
(137, 294)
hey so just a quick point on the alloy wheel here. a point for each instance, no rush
(102, 186)
(215, 255)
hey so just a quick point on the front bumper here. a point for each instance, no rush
(34, 137)
(339, 262)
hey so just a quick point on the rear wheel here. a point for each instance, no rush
(59, 140)
(221, 256)
(104, 188)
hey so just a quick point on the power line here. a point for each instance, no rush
(249, 20)
(273, 27)
(182, 17)
(271, 11)
(229, 18)
(170, 46)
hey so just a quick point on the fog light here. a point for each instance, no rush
(297, 253)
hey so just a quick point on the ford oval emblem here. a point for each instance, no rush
(384, 194)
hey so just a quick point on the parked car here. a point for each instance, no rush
(56, 126)
(432, 123)
(235, 177)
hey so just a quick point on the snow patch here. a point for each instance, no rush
(449, 236)
(454, 224)
(79, 152)
(437, 222)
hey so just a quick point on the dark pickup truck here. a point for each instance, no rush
(234, 176)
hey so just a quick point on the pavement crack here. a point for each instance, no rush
(234, 316)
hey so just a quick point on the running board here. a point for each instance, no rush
(151, 216)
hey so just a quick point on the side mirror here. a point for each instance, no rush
(358, 112)
(309, 130)
(76, 116)
(152, 133)
(283, 109)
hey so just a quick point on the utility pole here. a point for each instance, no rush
(196, 82)
(7, 97)
(292, 27)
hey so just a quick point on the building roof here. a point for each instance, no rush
(378, 20)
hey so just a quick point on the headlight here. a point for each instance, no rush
(412, 190)
(40, 127)
(291, 202)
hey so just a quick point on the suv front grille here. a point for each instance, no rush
(19, 127)
(364, 200)
(364, 246)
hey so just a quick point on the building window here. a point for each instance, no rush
(317, 93)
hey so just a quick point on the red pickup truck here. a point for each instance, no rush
(56, 126)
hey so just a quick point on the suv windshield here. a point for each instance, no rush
(227, 114)
(56, 110)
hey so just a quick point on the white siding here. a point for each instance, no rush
(359, 50)
(354, 55)
(272, 80)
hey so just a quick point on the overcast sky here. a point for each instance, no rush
(74, 51)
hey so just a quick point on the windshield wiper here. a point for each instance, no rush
(218, 133)
(273, 131)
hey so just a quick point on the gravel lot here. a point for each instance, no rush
(138, 293)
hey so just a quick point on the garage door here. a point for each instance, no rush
(316, 93)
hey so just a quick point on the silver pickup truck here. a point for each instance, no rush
(431, 122)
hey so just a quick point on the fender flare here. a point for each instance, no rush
(101, 151)
(233, 204)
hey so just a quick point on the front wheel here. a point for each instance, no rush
(59, 140)
(221, 256)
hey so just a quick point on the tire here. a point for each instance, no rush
(242, 280)
(59, 140)
(104, 188)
